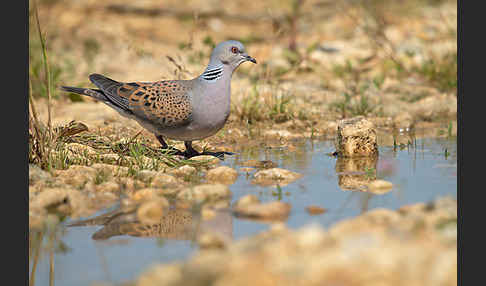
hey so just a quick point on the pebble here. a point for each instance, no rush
(37, 174)
(247, 200)
(145, 194)
(211, 160)
(146, 175)
(275, 176)
(247, 169)
(315, 210)
(162, 180)
(204, 192)
(107, 187)
(209, 240)
(222, 174)
(185, 170)
(74, 149)
(266, 211)
(152, 211)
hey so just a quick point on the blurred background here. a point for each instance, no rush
(336, 49)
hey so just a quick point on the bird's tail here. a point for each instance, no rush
(95, 93)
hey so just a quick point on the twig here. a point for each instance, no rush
(36, 259)
(47, 70)
(133, 138)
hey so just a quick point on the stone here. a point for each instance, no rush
(151, 212)
(210, 240)
(208, 159)
(36, 174)
(356, 137)
(76, 175)
(113, 170)
(275, 176)
(130, 184)
(162, 180)
(107, 187)
(265, 211)
(315, 210)
(146, 175)
(111, 158)
(354, 173)
(207, 213)
(185, 170)
(76, 149)
(53, 198)
(246, 200)
(146, 194)
(222, 174)
(205, 192)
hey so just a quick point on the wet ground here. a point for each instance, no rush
(123, 248)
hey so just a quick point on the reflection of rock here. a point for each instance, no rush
(356, 173)
(356, 137)
(175, 223)
(266, 164)
(379, 187)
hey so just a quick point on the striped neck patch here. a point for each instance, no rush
(213, 73)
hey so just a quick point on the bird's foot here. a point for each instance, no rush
(219, 155)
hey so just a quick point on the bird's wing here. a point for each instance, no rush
(164, 103)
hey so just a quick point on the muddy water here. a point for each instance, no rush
(124, 248)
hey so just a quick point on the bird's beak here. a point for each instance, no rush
(250, 59)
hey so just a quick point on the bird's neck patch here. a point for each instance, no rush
(213, 73)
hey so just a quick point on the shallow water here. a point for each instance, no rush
(420, 173)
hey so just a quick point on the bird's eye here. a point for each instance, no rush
(234, 50)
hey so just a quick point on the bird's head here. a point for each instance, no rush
(232, 53)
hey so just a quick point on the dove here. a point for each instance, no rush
(183, 110)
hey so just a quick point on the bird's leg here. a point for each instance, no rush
(166, 147)
(190, 152)
(162, 142)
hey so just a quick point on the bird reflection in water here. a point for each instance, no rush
(175, 223)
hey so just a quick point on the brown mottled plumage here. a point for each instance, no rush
(163, 103)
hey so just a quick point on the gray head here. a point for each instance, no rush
(230, 53)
